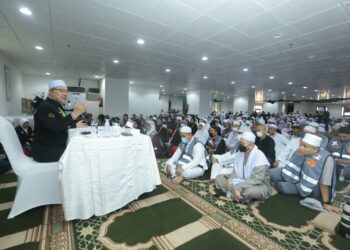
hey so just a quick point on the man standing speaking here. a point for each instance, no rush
(51, 124)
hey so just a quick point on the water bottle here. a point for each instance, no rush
(107, 128)
(229, 195)
(341, 175)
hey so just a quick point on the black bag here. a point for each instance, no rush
(344, 225)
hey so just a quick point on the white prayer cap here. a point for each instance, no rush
(271, 125)
(23, 120)
(227, 121)
(313, 140)
(186, 129)
(236, 123)
(249, 136)
(202, 123)
(321, 130)
(309, 129)
(179, 118)
(57, 83)
(314, 124)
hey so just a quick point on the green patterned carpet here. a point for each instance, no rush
(187, 216)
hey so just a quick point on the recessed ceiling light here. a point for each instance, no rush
(167, 70)
(277, 35)
(183, 92)
(131, 82)
(205, 77)
(163, 90)
(311, 98)
(271, 77)
(233, 82)
(290, 83)
(185, 89)
(115, 61)
(294, 94)
(228, 97)
(333, 95)
(222, 93)
(140, 41)
(305, 87)
(253, 87)
(245, 69)
(38, 47)
(96, 76)
(316, 90)
(339, 96)
(161, 86)
(282, 93)
(302, 96)
(47, 73)
(311, 57)
(270, 90)
(204, 58)
(25, 11)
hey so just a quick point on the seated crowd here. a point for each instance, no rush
(246, 156)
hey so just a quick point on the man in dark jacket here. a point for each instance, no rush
(25, 135)
(51, 124)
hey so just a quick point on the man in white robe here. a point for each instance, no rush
(250, 178)
(202, 133)
(188, 161)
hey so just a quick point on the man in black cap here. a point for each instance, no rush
(51, 124)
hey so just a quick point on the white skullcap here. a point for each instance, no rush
(236, 123)
(23, 120)
(202, 123)
(186, 129)
(310, 129)
(271, 125)
(313, 140)
(249, 136)
(314, 124)
(227, 121)
(322, 130)
(57, 83)
(179, 118)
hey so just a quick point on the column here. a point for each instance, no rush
(115, 94)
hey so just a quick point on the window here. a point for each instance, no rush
(345, 111)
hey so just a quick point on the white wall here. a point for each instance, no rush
(176, 102)
(272, 108)
(116, 98)
(193, 98)
(241, 103)
(227, 105)
(13, 107)
(146, 100)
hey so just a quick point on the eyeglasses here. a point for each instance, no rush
(62, 91)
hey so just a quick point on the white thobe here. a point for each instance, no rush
(288, 151)
(191, 169)
(202, 135)
(281, 143)
(224, 166)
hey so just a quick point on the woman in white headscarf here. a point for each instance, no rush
(151, 132)
(202, 133)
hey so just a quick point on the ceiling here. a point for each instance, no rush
(306, 42)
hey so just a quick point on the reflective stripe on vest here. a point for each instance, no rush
(309, 179)
(336, 154)
(186, 157)
(295, 178)
(292, 165)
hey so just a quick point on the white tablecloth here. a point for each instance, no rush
(100, 175)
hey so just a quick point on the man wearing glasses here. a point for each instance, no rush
(51, 124)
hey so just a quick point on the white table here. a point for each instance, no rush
(99, 175)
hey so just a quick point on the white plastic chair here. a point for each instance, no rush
(37, 183)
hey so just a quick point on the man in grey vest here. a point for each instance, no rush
(309, 173)
(188, 161)
(340, 149)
